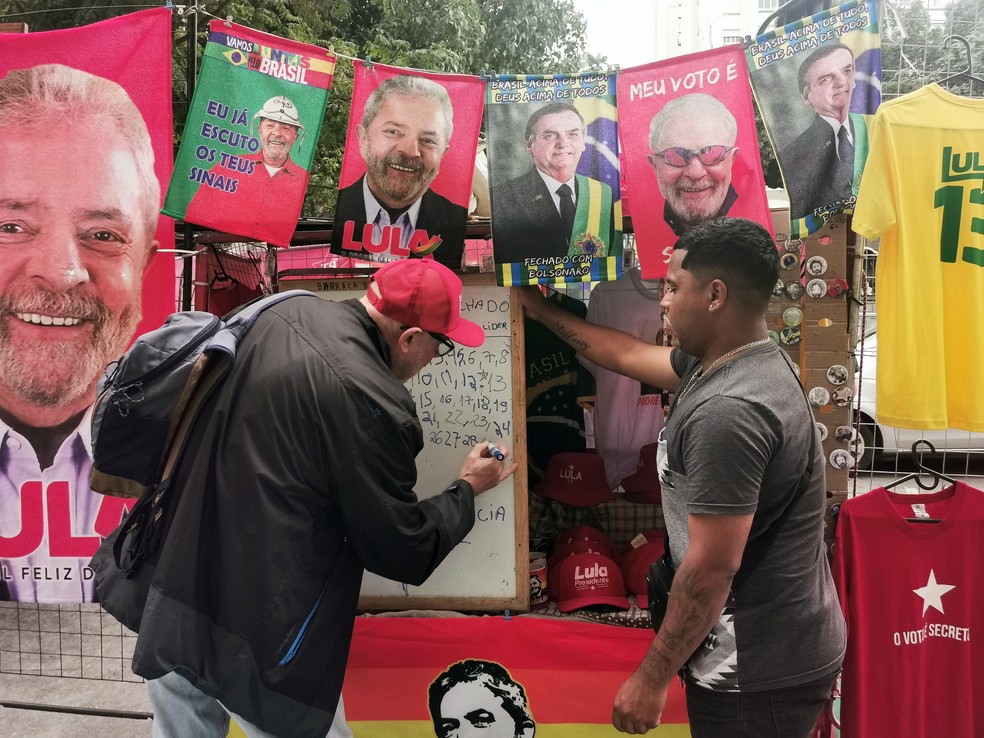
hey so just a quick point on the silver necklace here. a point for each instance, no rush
(701, 373)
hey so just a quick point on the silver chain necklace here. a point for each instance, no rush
(701, 373)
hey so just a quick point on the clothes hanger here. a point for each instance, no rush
(968, 72)
(936, 477)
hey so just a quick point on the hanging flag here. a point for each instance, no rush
(818, 83)
(408, 165)
(560, 675)
(251, 132)
(85, 151)
(554, 177)
(691, 149)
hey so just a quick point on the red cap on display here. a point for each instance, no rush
(576, 478)
(634, 566)
(642, 487)
(589, 579)
(421, 293)
(586, 533)
(577, 546)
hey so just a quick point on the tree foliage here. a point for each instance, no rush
(464, 36)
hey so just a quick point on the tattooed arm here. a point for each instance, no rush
(700, 590)
(612, 349)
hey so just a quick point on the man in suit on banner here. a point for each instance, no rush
(818, 166)
(405, 132)
(546, 212)
(692, 143)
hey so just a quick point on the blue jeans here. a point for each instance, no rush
(780, 713)
(181, 710)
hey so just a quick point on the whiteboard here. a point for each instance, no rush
(470, 395)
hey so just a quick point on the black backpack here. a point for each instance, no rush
(147, 402)
(161, 380)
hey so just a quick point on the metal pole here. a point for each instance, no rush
(188, 265)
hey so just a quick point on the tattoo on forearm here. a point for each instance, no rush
(570, 336)
(694, 606)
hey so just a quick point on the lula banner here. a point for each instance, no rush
(554, 178)
(251, 132)
(86, 147)
(408, 166)
(818, 83)
(690, 148)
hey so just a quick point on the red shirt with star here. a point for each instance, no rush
(913, 597)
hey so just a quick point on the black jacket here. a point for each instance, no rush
(303, 476)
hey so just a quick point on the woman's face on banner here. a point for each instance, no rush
(403, 147)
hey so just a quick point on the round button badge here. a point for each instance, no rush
(845, 433)
(836, 287)
(816, 288)
(789, 261)
(816, 266)
(793, 245)
(842, 396)
(774, 336)
(840, 459)
(794, 290)
(792, 316)
(818, 396)
(790, 335)
(837, 374)
(822, 432)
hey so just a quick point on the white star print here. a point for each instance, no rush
(932, 593)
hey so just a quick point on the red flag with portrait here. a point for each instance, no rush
(546, 676)
(85, 152)
(408, 166)
(690, 147)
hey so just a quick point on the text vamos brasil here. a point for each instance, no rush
(277, 63)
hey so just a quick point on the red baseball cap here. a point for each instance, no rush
(634, 566)
(577, 546)
(422, 293)
(642, 486)
(587, 533)
(589, 579)
(576, 478)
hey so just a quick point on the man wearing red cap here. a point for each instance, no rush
(304, 478)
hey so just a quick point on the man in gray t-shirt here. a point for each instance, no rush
(753, 616)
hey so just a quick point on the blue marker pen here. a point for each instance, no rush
(496, 453)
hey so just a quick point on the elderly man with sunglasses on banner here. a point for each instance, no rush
(692, 140)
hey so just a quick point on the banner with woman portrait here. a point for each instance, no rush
(249, 139)
(408, 165)
(554, 178)
(818, 83)
(691, 149)
(85, 151)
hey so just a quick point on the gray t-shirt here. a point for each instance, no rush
(737, 443)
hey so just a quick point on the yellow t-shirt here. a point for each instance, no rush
(922, 193)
